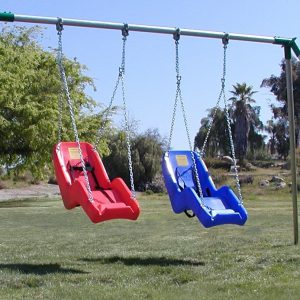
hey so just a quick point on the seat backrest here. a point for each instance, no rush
(184, 177)
(181, 168)
(75, 170)
(69, 158)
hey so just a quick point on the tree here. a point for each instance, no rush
(277, 86)
(282, 138)
(271, 129)
(146, 151)
(243, 115)
(218, 139)
(149, 147)
(30, 87)
(279, 140)
(256, 140)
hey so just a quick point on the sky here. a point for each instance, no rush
(150, 58)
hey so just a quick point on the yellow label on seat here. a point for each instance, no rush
(74, 153)
(182, 160)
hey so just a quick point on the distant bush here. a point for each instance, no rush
(260, 154)
(246, 179)
(149, 192)
(156, 186)
(262, 163)
(219, 179)
(2, 185)
(52, 180)
(216, 163)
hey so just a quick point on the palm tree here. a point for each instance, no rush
(243, 114)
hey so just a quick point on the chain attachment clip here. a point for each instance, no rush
(125, 30)
(176, 35)
(59, 25)
(225, 39)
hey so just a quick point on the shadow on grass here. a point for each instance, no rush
(40, 269)
(147, 261)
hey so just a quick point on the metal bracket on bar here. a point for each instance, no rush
(59, 25)
(225, 39)
(176, 34)
(125, 30)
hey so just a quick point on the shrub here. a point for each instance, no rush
(156, 186)
(262, 164)
(246, 179)
(216, 163)
(218, 179)
(2, 185)
(52, 180)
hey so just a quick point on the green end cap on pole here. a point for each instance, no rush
(296, 49)
(7, 16)
(288, 44)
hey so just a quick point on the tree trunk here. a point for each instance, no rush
(241, 137)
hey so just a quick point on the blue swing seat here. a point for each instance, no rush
(219, 206)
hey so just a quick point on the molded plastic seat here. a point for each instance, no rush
(111, 199)
(219, 206)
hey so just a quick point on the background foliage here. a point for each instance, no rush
(30, 87)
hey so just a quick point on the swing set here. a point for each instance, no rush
(81, 175)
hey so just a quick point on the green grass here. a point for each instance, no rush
(48, 252)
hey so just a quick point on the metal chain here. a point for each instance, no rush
(127, 129)
(121, 78)
(222, 92)
(125, 33)
(176, 37)
(105, 116)
(173, 120)
(238, 186)
(236, 174)
(60, 112)
(179, 96)
(69, 101)
(59, 28)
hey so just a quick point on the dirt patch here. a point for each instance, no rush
(32, 191)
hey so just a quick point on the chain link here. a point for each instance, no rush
(133, 195)
(60, 112)
(127, 129)
(59, 27)
(223, 95)
(223, 80)
(121, 78)
(179, 96)
(69, 101)
(236, 174)
(106, 114)
(222, 92)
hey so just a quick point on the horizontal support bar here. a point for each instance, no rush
(9, 17)
(143, 28)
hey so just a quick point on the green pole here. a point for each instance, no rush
(7, 17)
(296, 49)
(291, 113)
(288, 43)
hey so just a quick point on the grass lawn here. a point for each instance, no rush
(48, 252)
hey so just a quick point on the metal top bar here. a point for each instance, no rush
(142, 28)
(9, 17)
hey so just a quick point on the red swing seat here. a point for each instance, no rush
(111, 199)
